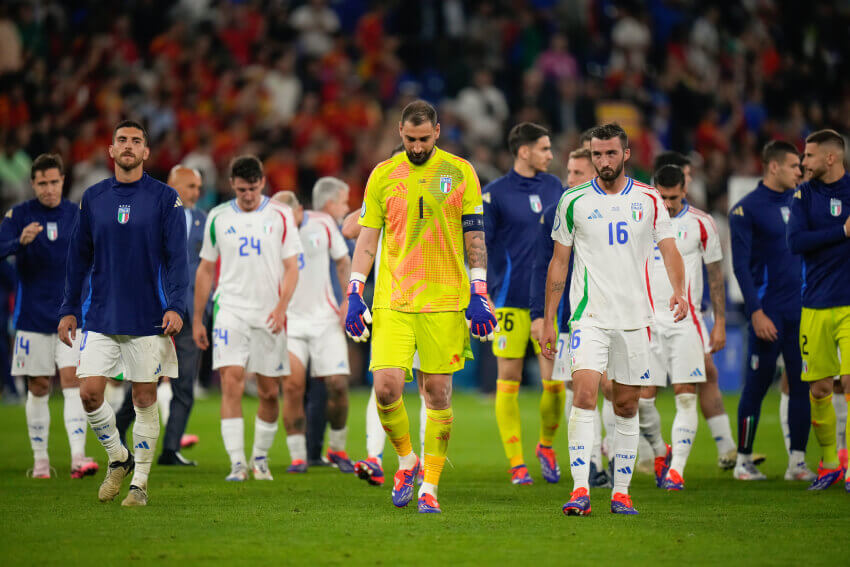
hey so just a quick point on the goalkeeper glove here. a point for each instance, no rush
(358, 314)
(479, 313)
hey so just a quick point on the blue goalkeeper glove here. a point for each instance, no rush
(358, 314)
(479, 313)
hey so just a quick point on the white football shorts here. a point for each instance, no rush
(676, 352)
(256, 349)
(321, 343)
(140, 359)
(624, 354)
(561, 368)
(40, 354)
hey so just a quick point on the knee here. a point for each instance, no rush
(686, 401)
(821, 389)
(143, 398)
(439, 395)
(584, 399)
(625, 408)
(39, 386)
(386, 394)
(268, 395)
(293, 388)
(91, 399)
(337, 387)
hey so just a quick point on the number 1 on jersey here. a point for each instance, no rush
(622, 233)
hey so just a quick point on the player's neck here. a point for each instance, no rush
(833, 175)
(131, 176)
(614, 186)
(523, 169)
(772, 185)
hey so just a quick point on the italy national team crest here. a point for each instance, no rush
(268, 227)
(835, 207)
(52, 231)
(682, 234)
(637, 211)
(445, 184)
(786, 214)
(536, 205)
(123, 214)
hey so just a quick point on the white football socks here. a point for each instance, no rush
(650, 426)
(376, 437)
(596, 449)
(839, 402)
(75, 421)
(337, 439)
(297, 445)
(233, 434)
(580, 436)
(721, 431)
(783, 420)
(264, 433)
(145, 435)
(568, 404)
(626, 433)
(608, 420)
(114, 394)
(423, 419)
(684, 430)
(163, 400)
(102, 422)
(38, 423)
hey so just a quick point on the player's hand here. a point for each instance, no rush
(479, 314)
(764, 327)
(357, 315)
(171, 323)
(679, 307)
(548, 341)
(68, 330)
(343, 312)
(537, 329)
(847, 227)
(199, 334)
(30, 232)
(276, 321)
(717, 339)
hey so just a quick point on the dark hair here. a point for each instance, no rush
(523, 134)
(418, 112)
(45, 162)
(585, 136)
(826, 137)
(669, 176)
(249, 168)
(776, 150)
(131, 124)
(609, 132)
(670, 158)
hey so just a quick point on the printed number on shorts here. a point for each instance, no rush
(253, 243)
(506, 320)
(220, 335)
(301, 262)
(83, 344)
(23, 344)
(560, 348)
(803, 349)
(576, 340)
(622, 234)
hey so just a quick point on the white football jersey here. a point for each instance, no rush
(252, 247)
(321, 241)
(612, 237)
(698, 243)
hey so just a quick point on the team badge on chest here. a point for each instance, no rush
(637, 211)
(682, 234)
(835, 207)
(534, 201)
(786, 214)
(445, 184)
(268, 227)
(123, 214)
(52, 231)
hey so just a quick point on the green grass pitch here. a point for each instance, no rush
(323, 517)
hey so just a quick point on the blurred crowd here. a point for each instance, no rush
(315, 87)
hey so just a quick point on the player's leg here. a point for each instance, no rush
(329, 356)
(423, 416)
(607, 414)
(783, 408)
(183, 389)
(843, 339)
(438, 427)
(38, 423)
(839, 401)
(232, 422)
(164, 395)
(115, 393)
(265, 424)
(711, 406)
(552, 402)
(371, 468)
(684, 432)
(649, 422)
(75, 423)
(845, 386)
(145, 435)
(294, 417)
(799, 407)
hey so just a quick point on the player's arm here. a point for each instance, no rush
(543, 250)
(176, 282)
(277, 318)
(203, 284)
(12, 237)
(802, 238)
(350, 227)
(675, 267)
(357, 315)
(77, 267)
(556, 281)
(741, 229)
(717, 292)
(479, 312)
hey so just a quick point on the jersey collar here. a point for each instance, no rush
(685, 207)
(263, 204)
(625, 191)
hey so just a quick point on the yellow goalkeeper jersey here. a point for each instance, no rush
(420, 209)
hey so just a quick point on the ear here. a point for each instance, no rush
(627, 153)
(147, 153)
(437, 132)
(109, 150)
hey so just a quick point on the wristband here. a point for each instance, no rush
(358, 277)
(478, 274)
(479, 287)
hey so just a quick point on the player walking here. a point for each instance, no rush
(315, 331)
(769, 275)
(611, 222)
(256, 240)
(428, 202)
(37, 232)
(819, 230)
(130, 243)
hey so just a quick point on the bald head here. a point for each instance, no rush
(291, 199)
(187, 182)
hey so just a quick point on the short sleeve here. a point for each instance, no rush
(661, 225)
(472, 204)
(338, 247)
(372, 211)
(291, 239)
(712, 251)
(209, 249)
(563, 227)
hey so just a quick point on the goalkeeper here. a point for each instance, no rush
(428, 203)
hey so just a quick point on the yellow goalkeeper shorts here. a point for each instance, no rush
(514, 333)
(824, 336)
(442, 340)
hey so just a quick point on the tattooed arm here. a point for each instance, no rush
(556, 281)
(365, 250)
(476, 250)
(717, 291)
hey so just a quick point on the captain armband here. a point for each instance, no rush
(472, 222)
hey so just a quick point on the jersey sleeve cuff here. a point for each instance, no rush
(369, 224)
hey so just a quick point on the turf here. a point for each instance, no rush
(324, 517)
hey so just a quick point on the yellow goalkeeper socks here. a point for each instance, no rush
(551, 409)
(438, 429)
(397, 425)
(824, 421)
(507, 417)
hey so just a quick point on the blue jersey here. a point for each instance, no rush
(768, 273)
(512, 208)
(40, 264)
(132, 238)
(816, 231)
(543, 250)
